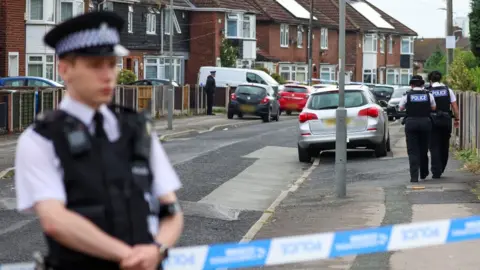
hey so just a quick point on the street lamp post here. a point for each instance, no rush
(170, 87)
(341, 128)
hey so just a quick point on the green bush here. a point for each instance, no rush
(126, 76)
(460, 76)
(228, 54)
(278, 78)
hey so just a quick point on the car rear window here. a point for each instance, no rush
(399, 92)
(386, 89)
(329, 100)
(250, 90)
(295, 89)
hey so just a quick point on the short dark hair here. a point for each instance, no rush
(435, 76)
(417, 81)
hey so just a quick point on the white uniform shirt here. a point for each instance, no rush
(403, 101)
(453, 98)
(39, 176)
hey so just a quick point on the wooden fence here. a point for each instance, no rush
(20, 105)
(466, 136)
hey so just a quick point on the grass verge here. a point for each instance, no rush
(470, 159)
(9, 174)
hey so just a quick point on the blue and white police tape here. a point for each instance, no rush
(293, 249)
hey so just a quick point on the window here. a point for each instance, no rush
(284, 39)
(168, 20)
(70, 8)
(254, 78)
(240, 26)
(370, 43)
(248, 26)
(370, 76)
(327, 73)
(39, 83)
(41, 66)
(407, 45)
(41, 10)
(328, 100)
(151, 24)
(324, 38)
(382, 44)
(299, 36)
(390, 45)
(291, 72)
(392, 76)
(159, 68)
(119, 63)
(130, 19)
(405, 75)
(14, 83)
(13, 64)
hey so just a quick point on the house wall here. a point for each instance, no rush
(12, 34)
(207, 37)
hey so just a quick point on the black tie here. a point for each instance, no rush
(99, 131)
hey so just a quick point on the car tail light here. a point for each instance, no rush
(306, 116)
(370, 112)
(265, 100)
(307, 96)
(233, 96)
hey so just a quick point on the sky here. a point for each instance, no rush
(423, 16)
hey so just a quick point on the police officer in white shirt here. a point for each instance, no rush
(442, 123)
(418, 125)
(96, 176)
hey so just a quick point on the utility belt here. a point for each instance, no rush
(441, 119)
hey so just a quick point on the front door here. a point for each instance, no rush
(381, 76)
(135, 66)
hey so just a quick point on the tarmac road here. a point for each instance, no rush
(229, 178)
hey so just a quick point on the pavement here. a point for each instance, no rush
(378, 193)
(246, 183)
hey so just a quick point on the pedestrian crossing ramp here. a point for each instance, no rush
(294, 249)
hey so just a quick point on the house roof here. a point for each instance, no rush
(265, 56)
(424, 47)
(247, 5)
(330, 9)
(399, 27)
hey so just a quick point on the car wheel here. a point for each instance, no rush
(289, 112)
(267, 117)
(389, 147)
(303, 155)
(229, 115)
(381, 149)
(277, 116)
(240, 115)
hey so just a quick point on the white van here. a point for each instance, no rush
(235, 76)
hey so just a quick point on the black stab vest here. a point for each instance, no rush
(418, 103)
(442, 98)
(100, 186)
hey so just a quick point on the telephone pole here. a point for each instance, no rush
(341, 132)
(449, 33)
(171, 91)
(310, 50)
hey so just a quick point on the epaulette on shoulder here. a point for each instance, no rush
(119, 109)
(49, 116)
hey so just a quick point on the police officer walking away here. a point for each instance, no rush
(442, 123)
(418, 125)
(96, 176)
(210, 91)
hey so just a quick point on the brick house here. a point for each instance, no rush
(379, 49)
(147, 34)
(210, 23)
(12, 38)
(283, 40)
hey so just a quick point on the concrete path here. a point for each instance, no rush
(379, 193)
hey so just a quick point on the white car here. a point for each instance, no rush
(367, 122)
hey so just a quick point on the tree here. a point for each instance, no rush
(126, 76)
(228, 54)
(436, 61)
(460, 76)
(474, 19)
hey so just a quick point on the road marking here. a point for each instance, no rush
(250, 235)
(16, 226)
(256, 187)
(5, 172)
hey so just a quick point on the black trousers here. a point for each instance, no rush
(418, 132)
(209, 103)
(439, 146)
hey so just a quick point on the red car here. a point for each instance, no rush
(294, 97)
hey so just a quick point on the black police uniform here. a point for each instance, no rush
(105, 182)
(418, 126)
(441, 131)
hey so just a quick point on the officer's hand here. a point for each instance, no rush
(456, 123)
(143, 257)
